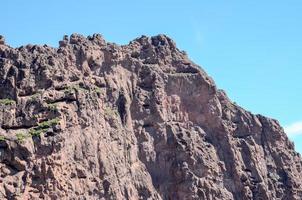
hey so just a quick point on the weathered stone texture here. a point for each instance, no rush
(94, 120)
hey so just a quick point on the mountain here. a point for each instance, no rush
(95, 120)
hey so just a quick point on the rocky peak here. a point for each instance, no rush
(2, 40)
(95, 120)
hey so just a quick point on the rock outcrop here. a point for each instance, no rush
(95, 120)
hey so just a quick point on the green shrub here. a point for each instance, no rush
(2, 138)
(37, 132)
(44, 126)
(35, 96)
(69, 91)
(110, 112)
(7, 102)
(52, 107)
(35, 116)
(49, 123)
(97, 90)
(73, 88)
(21, 137)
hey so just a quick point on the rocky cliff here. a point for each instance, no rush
(94, 120)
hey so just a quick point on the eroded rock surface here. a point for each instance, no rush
(94, 120)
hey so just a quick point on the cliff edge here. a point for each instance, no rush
(95, 120)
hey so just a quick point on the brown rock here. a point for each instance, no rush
(94, 120)
(2, 40)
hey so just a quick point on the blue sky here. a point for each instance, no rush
(252, 49)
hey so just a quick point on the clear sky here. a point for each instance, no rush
(253, 49)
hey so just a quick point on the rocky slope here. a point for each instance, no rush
(94, 120)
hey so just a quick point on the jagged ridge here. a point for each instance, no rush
(94, 120)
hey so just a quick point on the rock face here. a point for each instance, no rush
(94, 120)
